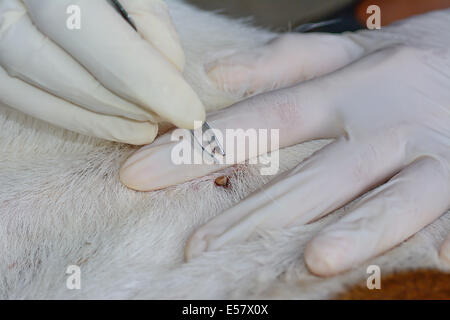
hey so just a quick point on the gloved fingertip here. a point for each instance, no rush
(143, 135)
(444, 253)
(326, 257)
(135, 178)
(148, 169)
(194, 248)
(130, 179)
(127, 180)
(189, 120)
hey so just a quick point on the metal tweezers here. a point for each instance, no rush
(207, 131)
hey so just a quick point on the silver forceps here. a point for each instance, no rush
(212, 142)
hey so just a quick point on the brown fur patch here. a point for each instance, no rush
(411, 285)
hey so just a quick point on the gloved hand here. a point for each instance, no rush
(104, 79)
(389, 113)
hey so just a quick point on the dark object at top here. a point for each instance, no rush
(123, 13)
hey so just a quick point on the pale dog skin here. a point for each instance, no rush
(62, 204)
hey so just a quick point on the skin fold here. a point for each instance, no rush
(389, 113)
(117, 83)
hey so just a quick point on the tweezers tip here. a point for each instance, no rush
(124, 13)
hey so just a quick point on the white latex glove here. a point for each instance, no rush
(389, 112)
(103, 80)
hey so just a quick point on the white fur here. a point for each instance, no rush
(61, 204)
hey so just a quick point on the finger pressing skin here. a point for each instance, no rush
(154, 23)
(329, 179)
(299, 114)
(389, 215)
(120, 58)
(47, 107)
(445, 250)
(29, 55)
(284, 61)
(142, 175)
